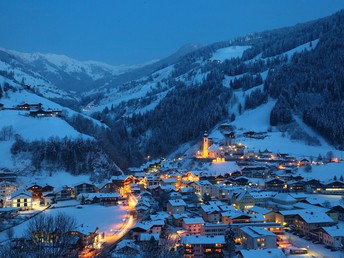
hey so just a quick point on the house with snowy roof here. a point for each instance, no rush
(126, 248)
(7, 188)
(284, 199)
(176, 206)
(332, 236)
(269, 215)
(257, 238)
(307, 221)
(84, 188)
(242, 199)
(21, 199)
(210, 213)
(64, 193)
(87, 235)
(193, 225)
(275, 184)
(203, 246)
(254, 253)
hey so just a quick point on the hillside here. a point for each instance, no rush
(32, 143)
(287, 81)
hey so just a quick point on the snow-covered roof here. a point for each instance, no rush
(127, 243)
(256, 231)
(20, 192)
(169, 180)
(315, 217)
(335, 231)
(254, 253)
(284, 197)
(261, 210)
(210, 208)
(196, 220)
(175, 203)
(199, 240)
(214, 147)
(161, 215)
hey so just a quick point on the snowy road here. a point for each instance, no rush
(314, 250)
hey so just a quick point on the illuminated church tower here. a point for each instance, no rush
(205, 145)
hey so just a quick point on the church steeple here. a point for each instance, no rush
(205, 145)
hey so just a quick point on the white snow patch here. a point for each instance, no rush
(229, 52)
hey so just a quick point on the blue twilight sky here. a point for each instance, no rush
(136, 31)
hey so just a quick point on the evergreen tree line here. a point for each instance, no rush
(312, 85)
(77, 156)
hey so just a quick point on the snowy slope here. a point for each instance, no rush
(55, 62)
(229, 52)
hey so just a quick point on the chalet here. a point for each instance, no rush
(7, 188)
(102, 198)
(229, 217)
(296, 186)
(214, 229)
(254, 171)
(265, 154)
(21, 199)
(64, 193)
(123, 183)
(177, 219)
(257, 237)
(108, 187)
(269, 215)
(242, 199)
(241, 180)
(27, 106)
(84, 188)
(176, 206)
(304, 162)
(284, 199)
(210, 213)
(307, 221)
(203, 246)
(332, 236)
(87, 236)
(35, 190)
(41, 113)
(334, 187)
(193, 225)
(313, 185)
(203, 187)
(126, 248)
(48, 198)
(139, 228)
(275, 184)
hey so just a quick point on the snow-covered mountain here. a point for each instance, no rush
(57, 76)
(155, 109)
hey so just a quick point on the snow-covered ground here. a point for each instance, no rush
(324, 172)
(229, 52)
(107, 219)
(316, 250)
(30, 128)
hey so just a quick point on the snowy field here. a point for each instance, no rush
(37, 128)
(324, 172)
(107, 219)
(229, 52)
(58, 179)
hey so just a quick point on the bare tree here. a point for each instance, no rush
(50, 234)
